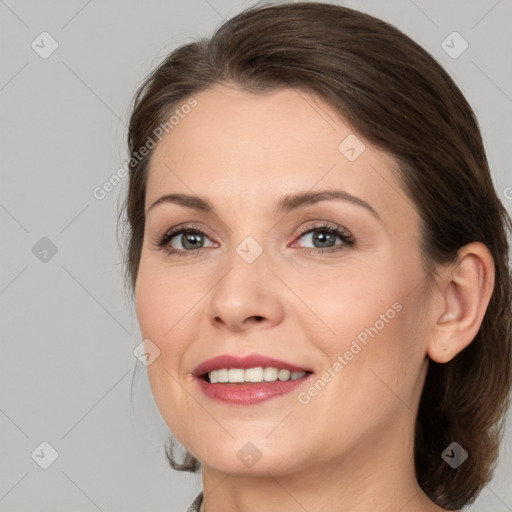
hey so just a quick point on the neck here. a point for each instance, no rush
(369, 477)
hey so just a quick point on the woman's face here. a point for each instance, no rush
(251, 278)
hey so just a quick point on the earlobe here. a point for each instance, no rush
(465, 288)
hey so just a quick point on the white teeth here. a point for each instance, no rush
(259, 374)
(253, 374)
(270, 374)
(236, 375)
(283, 375)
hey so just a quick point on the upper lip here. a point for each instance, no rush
(250, 361)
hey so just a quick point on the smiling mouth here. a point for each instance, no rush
(251, 386)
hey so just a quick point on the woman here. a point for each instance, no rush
(319, 263)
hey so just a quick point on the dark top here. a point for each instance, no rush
(196, 504)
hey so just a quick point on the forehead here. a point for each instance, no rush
(239, 148)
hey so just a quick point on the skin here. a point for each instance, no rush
(351, 447)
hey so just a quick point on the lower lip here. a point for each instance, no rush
(249, 394)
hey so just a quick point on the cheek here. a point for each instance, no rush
(162, 316)
(373, 317)
(150, 300)
(168, 305)
(348, 302)
(163, 299)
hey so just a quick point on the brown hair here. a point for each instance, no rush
(396, 95)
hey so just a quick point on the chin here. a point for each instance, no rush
(260, 468)
(243, 458)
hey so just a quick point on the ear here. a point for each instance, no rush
(466, 288)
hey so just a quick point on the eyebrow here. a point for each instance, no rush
(285, 205)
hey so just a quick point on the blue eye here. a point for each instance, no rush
(192, 239)
(325, 234)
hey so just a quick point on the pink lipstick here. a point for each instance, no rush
(248, 380)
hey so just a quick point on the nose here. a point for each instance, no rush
(247, 296)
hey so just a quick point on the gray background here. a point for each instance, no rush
(67, 332)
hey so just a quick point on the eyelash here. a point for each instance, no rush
(345, 236)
